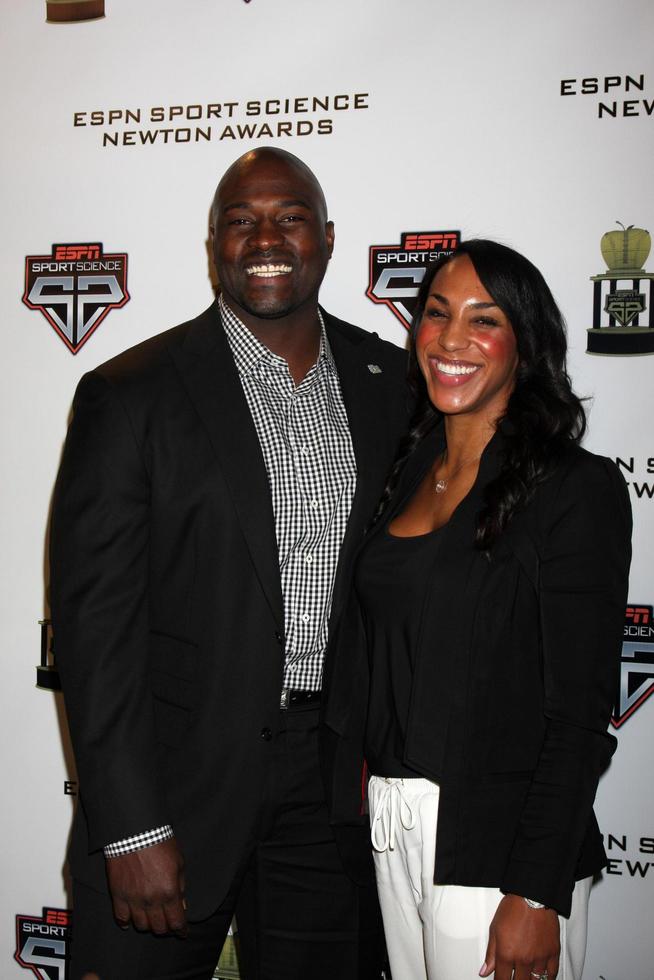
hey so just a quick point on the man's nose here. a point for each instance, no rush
(265, 235)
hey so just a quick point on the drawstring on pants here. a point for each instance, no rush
(392, 803)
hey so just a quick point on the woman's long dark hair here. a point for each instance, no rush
(543, 412)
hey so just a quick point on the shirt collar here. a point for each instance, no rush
(248, 351)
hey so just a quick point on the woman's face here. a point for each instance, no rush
(465, 345)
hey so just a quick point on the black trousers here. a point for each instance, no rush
(299, 916)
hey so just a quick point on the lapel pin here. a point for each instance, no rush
(374, 369)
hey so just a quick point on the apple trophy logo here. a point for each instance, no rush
(618, 309)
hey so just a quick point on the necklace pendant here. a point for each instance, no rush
(440, 486)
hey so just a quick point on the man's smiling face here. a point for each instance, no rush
(271, 237)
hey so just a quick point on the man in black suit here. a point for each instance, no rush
(215, 480)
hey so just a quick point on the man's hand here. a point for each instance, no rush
(523, 943)
(147, 889)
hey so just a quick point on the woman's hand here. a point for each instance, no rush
(523, 943)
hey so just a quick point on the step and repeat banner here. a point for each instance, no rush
(426, 122)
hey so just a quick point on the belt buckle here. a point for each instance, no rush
(283, 698)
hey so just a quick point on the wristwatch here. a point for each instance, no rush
(532, 904)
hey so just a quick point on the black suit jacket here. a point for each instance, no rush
(166, 596)
(514, 681)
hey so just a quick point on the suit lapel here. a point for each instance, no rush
(207, 368)
(213, 385)
(367, 396)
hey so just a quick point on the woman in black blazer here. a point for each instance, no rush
(476, 667)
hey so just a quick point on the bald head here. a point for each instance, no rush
(263, 158)
(271, 238)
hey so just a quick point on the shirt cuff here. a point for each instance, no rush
(138, 841)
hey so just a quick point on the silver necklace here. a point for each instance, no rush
(441, 485)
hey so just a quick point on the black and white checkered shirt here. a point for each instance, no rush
(307, 450)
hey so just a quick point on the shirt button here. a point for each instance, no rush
(308, 559)
(266, 734)
(304, 450)
(278, 637)
(314, 504)
(305, 617)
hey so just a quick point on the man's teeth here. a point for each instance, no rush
(456, 368)
(268, 271)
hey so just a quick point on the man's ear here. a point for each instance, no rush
(330, 235)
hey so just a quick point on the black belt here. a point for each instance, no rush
(294, 698)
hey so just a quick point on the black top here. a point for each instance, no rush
(391, 582)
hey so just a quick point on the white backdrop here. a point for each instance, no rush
(454, 120)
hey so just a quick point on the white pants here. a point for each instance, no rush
(440, 932)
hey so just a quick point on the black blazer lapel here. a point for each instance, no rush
(372, 398)
(209, 374)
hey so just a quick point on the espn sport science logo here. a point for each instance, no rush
(636, 681)
(43, 943)
(396, 271)
(75, 288)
